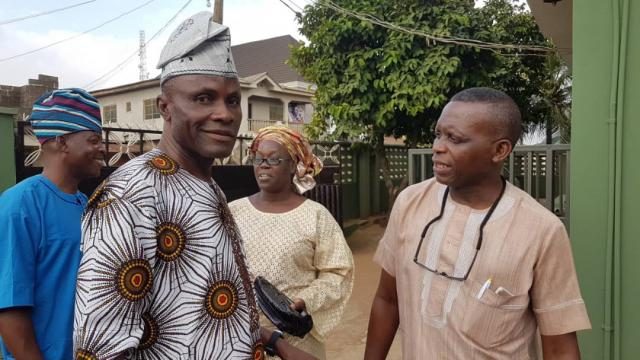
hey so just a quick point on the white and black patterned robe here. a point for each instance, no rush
(163, 272)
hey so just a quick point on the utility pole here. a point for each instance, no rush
(217, 11)
(142, 53)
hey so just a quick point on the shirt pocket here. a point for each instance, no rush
(493, 319)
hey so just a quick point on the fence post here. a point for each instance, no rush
(364, 182)
(549, 180)
(7, 148)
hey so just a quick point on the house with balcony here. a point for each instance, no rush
(272, 92)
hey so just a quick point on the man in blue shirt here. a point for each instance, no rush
(40, 226)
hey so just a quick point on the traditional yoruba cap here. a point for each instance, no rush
(198, 46)
(65, 111)
(308, 164)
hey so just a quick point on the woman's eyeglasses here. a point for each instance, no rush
(478, 245)
(257, 161)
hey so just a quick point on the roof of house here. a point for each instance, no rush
(252, 81)
(268, 55)
(254, 61)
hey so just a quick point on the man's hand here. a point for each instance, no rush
(560, 347)
(16, 330)
(285, 350)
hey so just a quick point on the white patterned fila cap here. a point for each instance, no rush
(198, 46)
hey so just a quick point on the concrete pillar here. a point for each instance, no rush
(7, 151)
(285, 110)
(244, 105)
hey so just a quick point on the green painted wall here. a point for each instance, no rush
(605, 173)
(7, 156)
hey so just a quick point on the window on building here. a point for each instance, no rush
(128, 106)
(275, 112)
(151, 110)
(250, 115)
(109, 114)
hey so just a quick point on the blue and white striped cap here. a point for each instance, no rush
(65, 111)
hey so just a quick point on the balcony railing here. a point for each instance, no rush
(255, 125)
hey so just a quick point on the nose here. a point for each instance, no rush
(438, 146)
(222, 113)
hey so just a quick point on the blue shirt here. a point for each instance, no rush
(39, 258)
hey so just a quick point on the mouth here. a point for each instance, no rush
(100, 160)
(440, 168)
(440, 165)
(220, 135)
(263, 177)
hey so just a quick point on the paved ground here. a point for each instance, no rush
(348, 340)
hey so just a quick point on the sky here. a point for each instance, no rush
(88, 60)
(81, 61)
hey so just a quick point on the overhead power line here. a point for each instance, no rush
(77, 35)
(499, 48)
(292, 9)
(119, 67)
(10, 21)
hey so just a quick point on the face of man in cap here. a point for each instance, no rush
(202, 114)
(83, 152)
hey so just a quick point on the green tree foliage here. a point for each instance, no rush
(374, 82)
(555, 102)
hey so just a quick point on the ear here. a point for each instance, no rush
(502, 149)
(163, 106)
(60, 144)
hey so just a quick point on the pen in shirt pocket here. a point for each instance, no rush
(487, 285)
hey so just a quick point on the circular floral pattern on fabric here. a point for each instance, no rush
(222, 299)
(164, 164)
(171, 241)
(258, 351)
(82, 354)
(150, 333)
(134, 279)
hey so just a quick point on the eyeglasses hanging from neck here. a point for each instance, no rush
(480, 236)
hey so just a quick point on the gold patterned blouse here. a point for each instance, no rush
(304, 254)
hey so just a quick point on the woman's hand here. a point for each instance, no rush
(298, 305)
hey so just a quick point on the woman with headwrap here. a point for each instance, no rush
(291, 241)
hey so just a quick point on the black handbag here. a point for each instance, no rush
(275, 306)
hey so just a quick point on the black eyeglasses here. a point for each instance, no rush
(257, 161)
(478, 245)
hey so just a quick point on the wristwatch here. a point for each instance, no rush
(270, 348)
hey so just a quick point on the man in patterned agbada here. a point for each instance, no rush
(163, 273)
